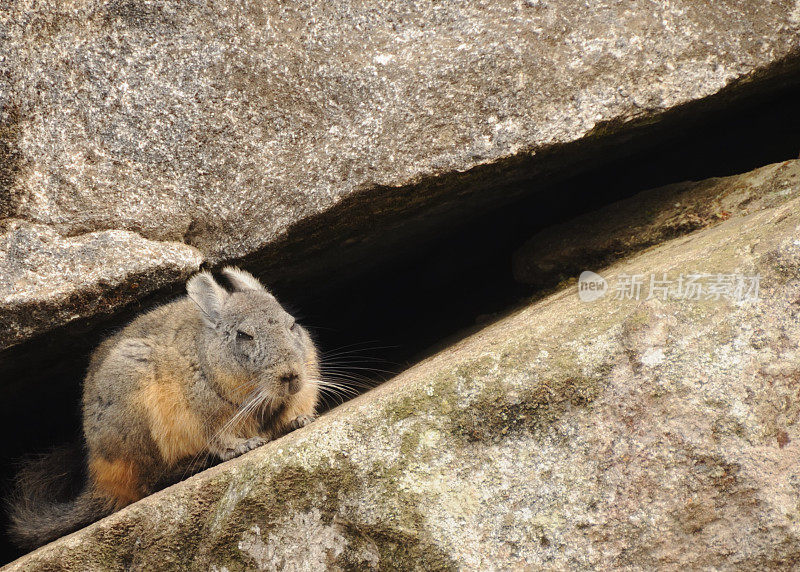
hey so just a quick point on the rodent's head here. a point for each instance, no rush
(252, 343)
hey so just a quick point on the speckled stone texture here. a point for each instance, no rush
(616, 434)
(223, 125)
(49, 278)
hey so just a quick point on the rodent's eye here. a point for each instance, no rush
(240, 335)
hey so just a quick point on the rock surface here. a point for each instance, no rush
(622, 433)
(48, 278)
(223, 126)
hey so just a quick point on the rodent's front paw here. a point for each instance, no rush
(243, 447)
(301, 421)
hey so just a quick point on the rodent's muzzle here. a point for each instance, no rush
(291, 381)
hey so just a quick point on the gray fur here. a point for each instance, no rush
(208, 295)
(242, 281)
(212, 353)
(45, 494)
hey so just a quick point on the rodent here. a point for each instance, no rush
(213, 373)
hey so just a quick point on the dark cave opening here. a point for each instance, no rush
(412, 299)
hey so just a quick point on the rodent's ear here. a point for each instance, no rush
(241, 280)
(208, 295)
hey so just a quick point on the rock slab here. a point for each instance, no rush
(223, 125)
(48, 278)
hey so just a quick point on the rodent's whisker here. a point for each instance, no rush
(355, 354)
(241, 385)
(327, 367)
(338, 398)
(349, 350)
(341, 392)
(332, 383)
(238, 415)
(353, 365)
(248, 405)
(335, 376)
(352, 358)
(353, 382)
(351, 386)
(266, 403)
(354, 345)
(337, 386)
(342, 388)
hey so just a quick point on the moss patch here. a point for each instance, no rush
(398, 549)
(492, 415)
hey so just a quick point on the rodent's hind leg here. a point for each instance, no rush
(233, 447)
(301, 421)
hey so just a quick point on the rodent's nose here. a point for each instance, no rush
(292, 380)
(289, 377)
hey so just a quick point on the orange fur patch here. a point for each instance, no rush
(117, 480)
(176, 429)
(235, 388)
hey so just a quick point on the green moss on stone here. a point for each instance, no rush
(399, 549)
